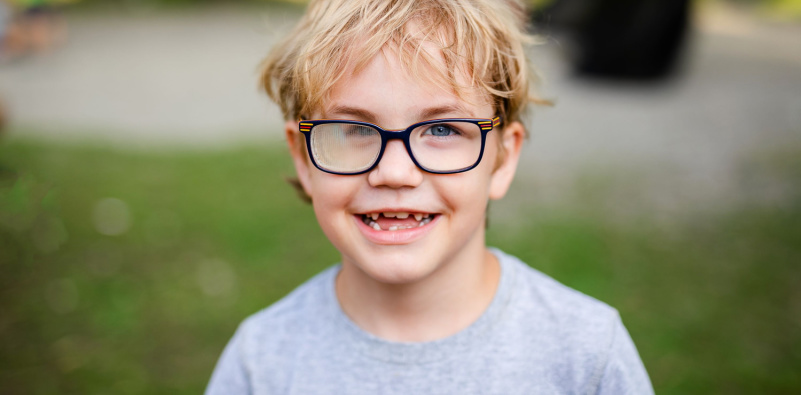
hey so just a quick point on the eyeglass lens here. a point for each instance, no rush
(352, 148)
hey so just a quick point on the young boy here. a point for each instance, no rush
(403, 122)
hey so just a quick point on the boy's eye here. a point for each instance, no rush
(358, 130)
(441, 130)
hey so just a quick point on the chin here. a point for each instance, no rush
(397, 269)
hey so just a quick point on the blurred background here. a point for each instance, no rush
(144, 210)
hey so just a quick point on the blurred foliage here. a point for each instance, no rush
(168, 3)
(200, 240)
(782, 8)
(790, 9)
(535, 3)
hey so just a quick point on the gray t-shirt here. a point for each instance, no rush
(537, 337)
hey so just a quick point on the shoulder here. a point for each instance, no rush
(271, 338)
(537, 292)
(582, 336)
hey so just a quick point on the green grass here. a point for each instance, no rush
(711, 299)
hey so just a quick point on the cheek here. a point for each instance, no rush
(493, 151)
(331, 194)
(474, 184)
(466, 193)
(331, 198)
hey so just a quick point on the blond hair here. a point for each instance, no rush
(480, 39)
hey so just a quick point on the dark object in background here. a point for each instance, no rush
(631, 39)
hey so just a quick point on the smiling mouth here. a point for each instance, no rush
(392, 221)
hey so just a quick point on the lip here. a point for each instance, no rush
(394, 237)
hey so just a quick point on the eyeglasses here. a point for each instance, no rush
(439, 146)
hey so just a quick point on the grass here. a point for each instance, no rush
(125, 272)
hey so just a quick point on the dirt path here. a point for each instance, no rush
(149, 78)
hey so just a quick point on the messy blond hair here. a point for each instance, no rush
(480, 39)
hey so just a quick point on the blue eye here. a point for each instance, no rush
(441, 130)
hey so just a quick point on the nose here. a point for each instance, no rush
(396, 168)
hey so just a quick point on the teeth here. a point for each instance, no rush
(399, 215)
(422, 219)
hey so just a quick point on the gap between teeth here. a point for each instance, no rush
(399, 215)
(424, 219)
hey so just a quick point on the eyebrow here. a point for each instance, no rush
(355, 112)
(425, 114)
(439, 111)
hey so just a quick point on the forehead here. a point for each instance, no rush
(386, 89)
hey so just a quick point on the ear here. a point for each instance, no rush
(297, 148)
(512, 140)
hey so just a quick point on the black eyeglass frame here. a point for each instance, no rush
(485, 125)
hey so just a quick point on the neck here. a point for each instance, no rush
(445, 302)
